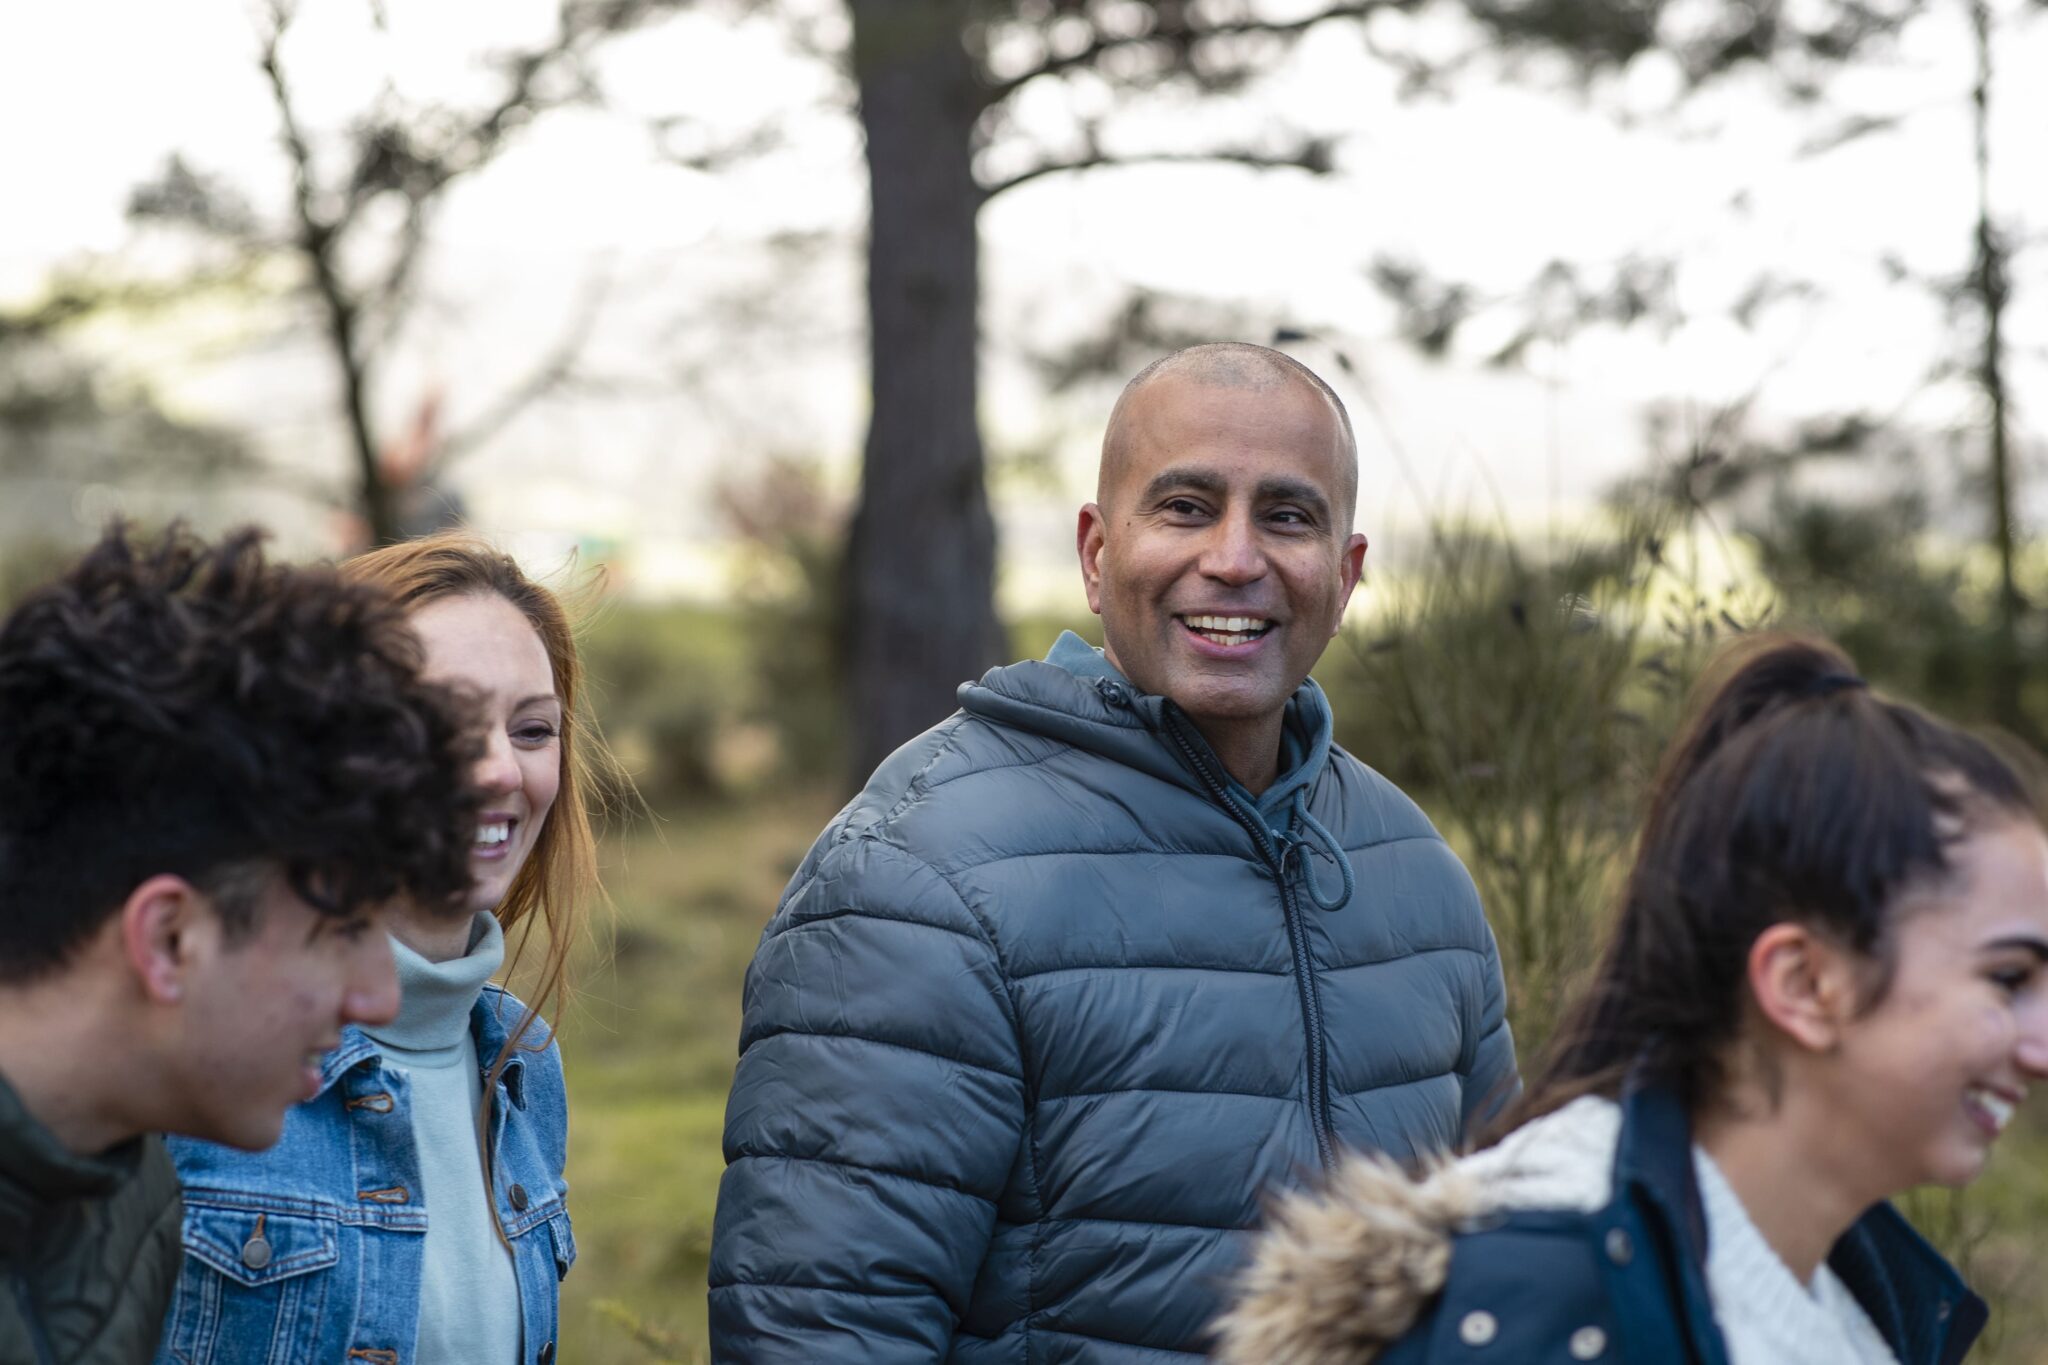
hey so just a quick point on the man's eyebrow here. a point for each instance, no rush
(1186, 476)
(1294, 490)
(2023, 942)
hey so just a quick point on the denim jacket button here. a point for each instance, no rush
(1620, 1249)
(519, 1199)
(256, 1251)
(546, 1356)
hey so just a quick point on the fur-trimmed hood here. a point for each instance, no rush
(1343, 1271)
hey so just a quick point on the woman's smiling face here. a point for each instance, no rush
(1931, 1075)
(484, 647)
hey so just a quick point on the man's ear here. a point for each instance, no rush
(1353, 568)
(164, 923)
(1804, 984)
(1088, 541)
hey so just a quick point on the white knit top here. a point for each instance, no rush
(1766, 1315)
(1565, 1160)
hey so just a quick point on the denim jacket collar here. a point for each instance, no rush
(356, 1048)
(1881, 1259)
(491, 1020)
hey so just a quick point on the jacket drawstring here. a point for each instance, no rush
(1248, 814)
(1325, 843)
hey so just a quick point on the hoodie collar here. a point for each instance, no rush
(1082, 689)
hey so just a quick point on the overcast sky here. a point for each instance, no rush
(1486, 186)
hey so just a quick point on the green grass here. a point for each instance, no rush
(650, 1044)
(649, 1048)
(1996, 1231)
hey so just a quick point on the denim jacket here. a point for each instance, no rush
(312, 1251)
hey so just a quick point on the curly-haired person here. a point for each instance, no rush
(424, 1181)
(215, 773)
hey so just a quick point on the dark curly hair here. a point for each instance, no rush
(167, 706)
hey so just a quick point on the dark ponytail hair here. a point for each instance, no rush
(1795, 793)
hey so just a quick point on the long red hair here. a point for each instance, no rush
(555, 890)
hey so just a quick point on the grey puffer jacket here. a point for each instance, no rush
(89, 1246)
(1048, 1009)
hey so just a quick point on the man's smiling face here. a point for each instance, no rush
(1220, 556)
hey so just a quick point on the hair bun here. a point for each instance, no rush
(1827, 684)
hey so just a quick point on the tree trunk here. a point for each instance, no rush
(920, 565)
(373, 493)
(1990, 282)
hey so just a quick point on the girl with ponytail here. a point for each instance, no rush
(1825, 985)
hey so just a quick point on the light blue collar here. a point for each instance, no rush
(435, 998)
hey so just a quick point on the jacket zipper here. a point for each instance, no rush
(1297, 941)
(24, 1299)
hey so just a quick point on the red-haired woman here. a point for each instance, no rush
(413, 1210)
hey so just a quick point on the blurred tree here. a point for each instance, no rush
(1989, 289)
(357, 228)
(939, 84)
(1865, 566)
(1525, 698)
(1801, 49)
(70, 425)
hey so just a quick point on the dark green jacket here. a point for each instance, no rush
(89, 1246)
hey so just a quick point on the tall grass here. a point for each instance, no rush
(1525, 700)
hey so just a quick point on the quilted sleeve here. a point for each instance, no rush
(1488, 1074)
(873, 1123)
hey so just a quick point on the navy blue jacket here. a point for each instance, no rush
(1624, 1283)
(1050, 1005)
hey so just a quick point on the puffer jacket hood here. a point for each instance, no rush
(1579, 1236)
(1048, 1009)
(1343, 1274)
(1344, 1271)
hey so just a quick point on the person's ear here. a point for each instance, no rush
(1804, 984)
(1088, 541)
(1352, 568)
(164, 922)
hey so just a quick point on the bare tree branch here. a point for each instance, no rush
(556, 368)
(1182, 31)
(1313, 156)
(391, 298)
(316, 239)
(704, 154)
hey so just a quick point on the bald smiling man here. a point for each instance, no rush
(1124, 945)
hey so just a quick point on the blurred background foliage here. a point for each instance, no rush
(1521, 689)
(1518, 673)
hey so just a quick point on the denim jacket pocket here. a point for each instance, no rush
(252, 1287)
